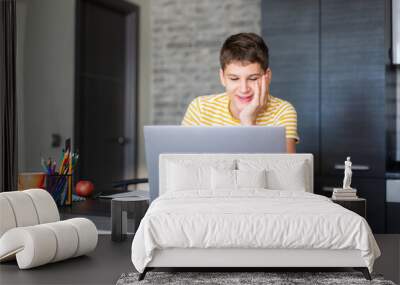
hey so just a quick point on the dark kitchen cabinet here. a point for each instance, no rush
(291, 31)
(393, 214)
(353, 86)
(328, 59)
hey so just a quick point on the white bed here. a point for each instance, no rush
(247, 210)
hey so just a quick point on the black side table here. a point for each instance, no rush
(120, 207)
(357, 205)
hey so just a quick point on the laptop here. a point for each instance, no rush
(202, 139)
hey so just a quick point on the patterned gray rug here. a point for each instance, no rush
(229, 278)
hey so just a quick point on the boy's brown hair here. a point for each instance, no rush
(244, 47)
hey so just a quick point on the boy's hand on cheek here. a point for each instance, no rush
(259, 101)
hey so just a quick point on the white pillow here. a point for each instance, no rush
(281, 174)
(237, 179)
(251, 178)
(223, 179)
(193, 174)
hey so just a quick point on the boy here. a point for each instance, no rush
(246, 76)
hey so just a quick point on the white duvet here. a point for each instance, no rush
(250, 219)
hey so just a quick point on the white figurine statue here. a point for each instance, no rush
(347, 174)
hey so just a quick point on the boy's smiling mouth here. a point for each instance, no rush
(244, 99)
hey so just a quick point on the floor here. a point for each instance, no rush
(388, 263)
(111, 259)
(103, 266)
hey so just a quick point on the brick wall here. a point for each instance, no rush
(186, 38)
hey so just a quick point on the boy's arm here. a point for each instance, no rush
(291, 145)
(288, 119)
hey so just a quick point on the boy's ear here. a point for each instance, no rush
(268, 74)
(221, 77)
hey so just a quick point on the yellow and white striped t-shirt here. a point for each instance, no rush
(213, 110)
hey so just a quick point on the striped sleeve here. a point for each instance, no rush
(193, 114)
(287, 117)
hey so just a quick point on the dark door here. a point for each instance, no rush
(106, 91)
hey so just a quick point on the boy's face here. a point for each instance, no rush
(239, 80)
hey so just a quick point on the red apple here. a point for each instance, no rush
(84, 188)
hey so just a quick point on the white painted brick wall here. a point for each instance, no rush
(186, 39)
